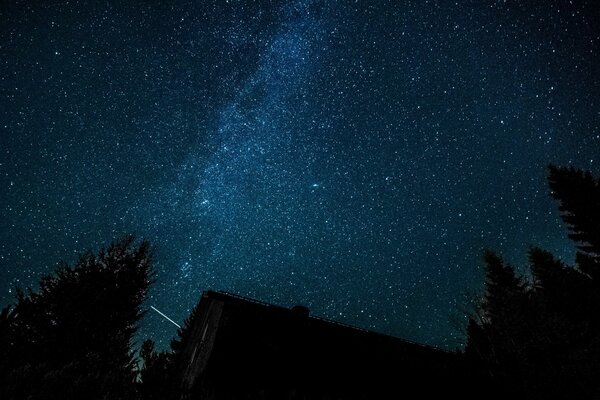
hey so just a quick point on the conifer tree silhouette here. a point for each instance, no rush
(541, 337)
(179, 343)
(579, 196)
(161, 371)
(156, 375)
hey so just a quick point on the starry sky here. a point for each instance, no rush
(352, 156)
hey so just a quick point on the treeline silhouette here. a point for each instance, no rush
(538, 335)
(72, 338)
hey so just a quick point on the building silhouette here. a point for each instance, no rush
(246, 349)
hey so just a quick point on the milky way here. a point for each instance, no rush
(352, 157)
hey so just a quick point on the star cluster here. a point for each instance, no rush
(355, 157)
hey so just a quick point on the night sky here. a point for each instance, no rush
(355, 157)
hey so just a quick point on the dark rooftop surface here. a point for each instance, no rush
(244, 348)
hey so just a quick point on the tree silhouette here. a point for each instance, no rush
(579, 196)
(181, 341)
(541, 337)
(156, 375)
(72, 337)
(161, 371)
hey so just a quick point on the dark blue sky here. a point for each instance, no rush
(355, 157)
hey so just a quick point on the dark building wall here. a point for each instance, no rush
(204, 334)
(251, 350)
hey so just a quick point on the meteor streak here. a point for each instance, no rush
(168, 319)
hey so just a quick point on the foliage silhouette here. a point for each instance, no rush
(72, 337)
(160, 373)
(579, 196)
(541, 337)
(156, 375)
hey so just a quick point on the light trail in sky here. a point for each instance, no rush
(168, 319)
